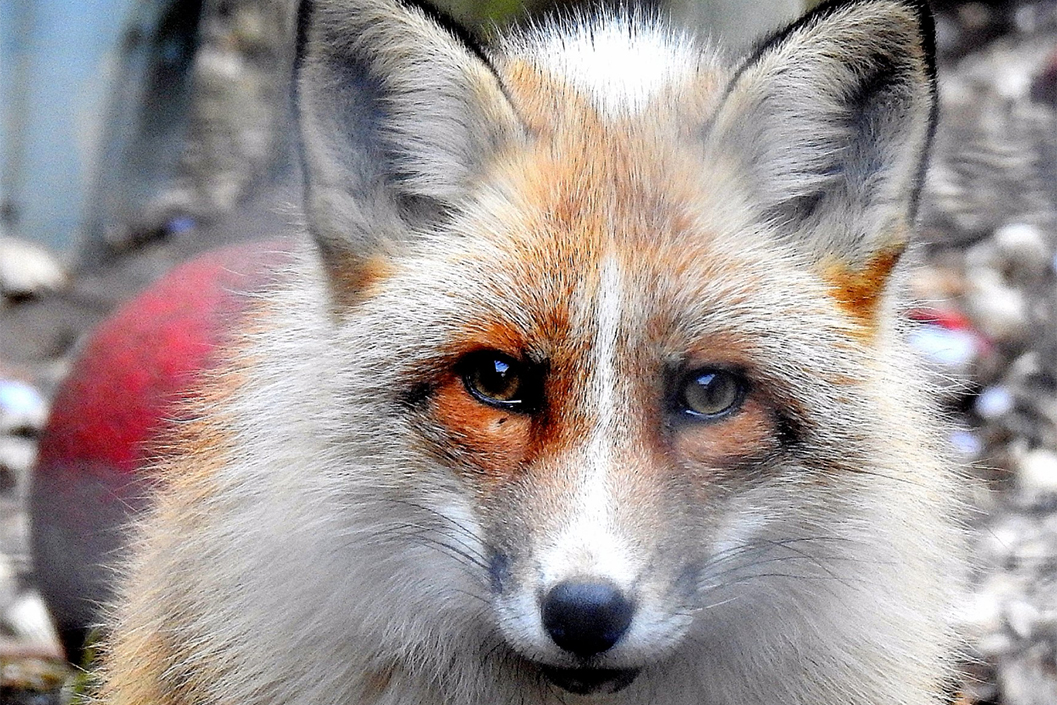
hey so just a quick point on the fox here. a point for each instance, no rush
(588, 382)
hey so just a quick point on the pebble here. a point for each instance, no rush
(22, 407)
(994, 402)
(994, 645)
(1037, 475)
(8, 579)
(1022, 249)
(17, 456)
(1047, 623)
(1021, 617)
(998, 542)
(999, 310)
(28, 618)
(983, 613)
(27, 269)
(967, 444)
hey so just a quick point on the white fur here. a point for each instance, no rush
(619, 65)
(587, 546)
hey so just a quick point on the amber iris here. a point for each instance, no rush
(500, 381)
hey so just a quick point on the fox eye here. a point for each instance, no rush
(498, 380)
(709, 394)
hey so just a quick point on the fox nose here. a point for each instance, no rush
(586, 618)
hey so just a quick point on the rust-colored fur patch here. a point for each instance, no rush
(352, 278)
(494, 441)
(543, 102)
(859, 291)
(496, 444)
(748, 433)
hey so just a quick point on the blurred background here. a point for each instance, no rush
(136, 134)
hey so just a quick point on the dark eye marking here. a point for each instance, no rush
(709, 394)
(500, 381)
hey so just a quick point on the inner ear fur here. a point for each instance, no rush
(398, 111)
(828, 125)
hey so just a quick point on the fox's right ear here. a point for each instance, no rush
(398, 113)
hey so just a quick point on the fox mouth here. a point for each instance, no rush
(590, 681)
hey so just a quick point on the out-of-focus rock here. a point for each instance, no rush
(994, 402)
(1037, 475)
(28, 618)
(22, 408)
(27, 269)
(1022, 250)
(1000, 310)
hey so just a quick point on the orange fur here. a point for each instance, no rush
(859, 290)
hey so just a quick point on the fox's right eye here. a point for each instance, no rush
(498, 380)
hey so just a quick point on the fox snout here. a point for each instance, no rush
(581, 596)
(585, 617)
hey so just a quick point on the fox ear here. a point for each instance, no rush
(398, 112)
(828, 124)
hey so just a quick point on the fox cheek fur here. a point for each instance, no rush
(591, 381)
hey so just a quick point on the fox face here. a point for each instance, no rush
(627, 426)
(610, 394)
(628, 441)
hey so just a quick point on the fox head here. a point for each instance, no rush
(623, 388)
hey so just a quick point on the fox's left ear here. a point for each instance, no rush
(828, 125)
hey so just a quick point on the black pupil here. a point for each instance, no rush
(711, 393)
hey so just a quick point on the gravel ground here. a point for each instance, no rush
(988, 302)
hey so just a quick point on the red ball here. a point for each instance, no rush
(126, 384)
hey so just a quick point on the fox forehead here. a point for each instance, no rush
(616, 70)
(543, 266)
(549, 221)
(520, 265)
(618, 65)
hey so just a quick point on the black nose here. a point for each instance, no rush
(586, 618)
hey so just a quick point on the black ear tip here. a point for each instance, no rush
(462, 34)
(441, 18)
(304, 20)
(921, 9)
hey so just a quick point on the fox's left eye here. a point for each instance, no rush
(710, 394)
(498, 380)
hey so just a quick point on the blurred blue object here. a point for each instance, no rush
(55, 72)
(19, 400)
(946, 347)
(966, 443)
(181, 224)
(80, 83)
(994, 402)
